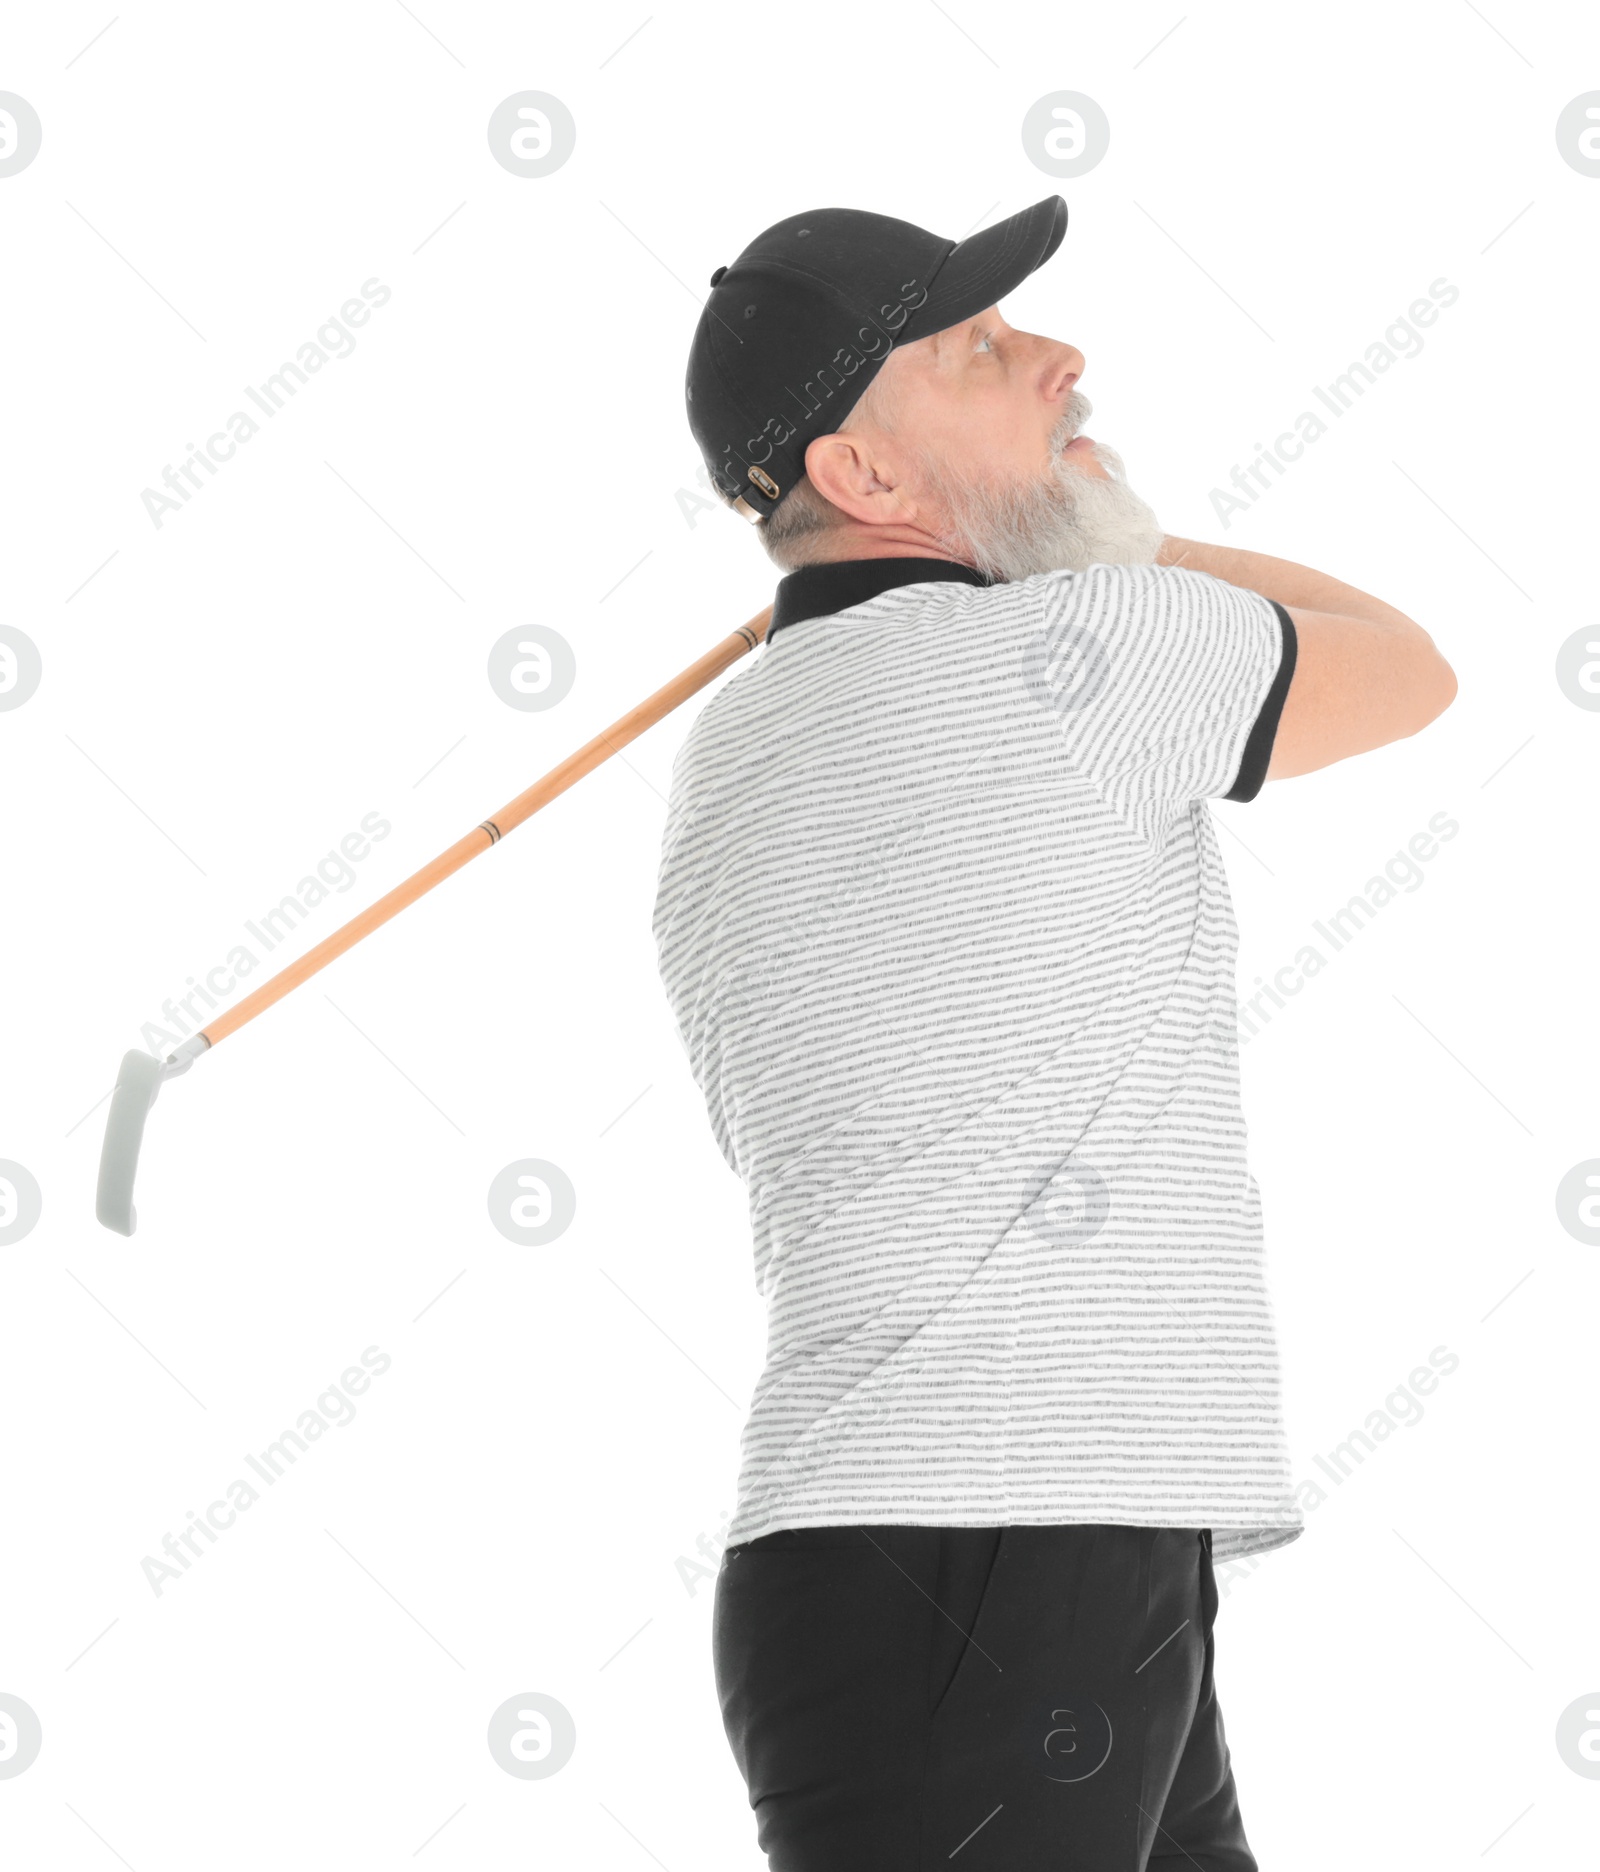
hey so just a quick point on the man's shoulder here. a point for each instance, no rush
(1129, 580)
(714, 722)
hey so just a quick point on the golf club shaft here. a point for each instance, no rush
(510, 816)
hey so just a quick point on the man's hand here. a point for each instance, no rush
(1365, 675)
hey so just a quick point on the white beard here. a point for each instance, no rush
(1067, 521)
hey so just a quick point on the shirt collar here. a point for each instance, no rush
(820, 590)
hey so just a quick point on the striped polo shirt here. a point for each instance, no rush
(944, 927)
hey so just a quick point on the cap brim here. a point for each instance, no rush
(979, 271)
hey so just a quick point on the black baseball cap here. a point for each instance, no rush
(798, 326)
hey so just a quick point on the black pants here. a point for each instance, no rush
(1011, 1699)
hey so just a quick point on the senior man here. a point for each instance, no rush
(945, 929)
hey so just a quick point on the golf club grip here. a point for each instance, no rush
(510, 816)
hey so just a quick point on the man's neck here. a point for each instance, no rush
(883, 542)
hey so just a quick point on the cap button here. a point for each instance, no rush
(717, 276)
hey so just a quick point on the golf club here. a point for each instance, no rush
(141, 1075)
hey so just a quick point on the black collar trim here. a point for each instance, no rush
(820, 590)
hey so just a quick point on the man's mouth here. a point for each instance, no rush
(1081, 444)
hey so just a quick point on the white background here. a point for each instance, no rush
(226, 696)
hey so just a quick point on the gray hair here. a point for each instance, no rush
(796, 532)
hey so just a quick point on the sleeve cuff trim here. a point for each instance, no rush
(1258, 749)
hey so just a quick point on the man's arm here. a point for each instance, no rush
(1365, 674)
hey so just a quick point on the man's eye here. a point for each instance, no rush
(983, 340)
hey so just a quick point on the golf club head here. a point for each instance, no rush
(138, 1082)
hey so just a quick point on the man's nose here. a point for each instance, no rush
(1062, 371)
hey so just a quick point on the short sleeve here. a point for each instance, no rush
(1168, 684)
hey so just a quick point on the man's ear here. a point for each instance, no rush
(856, 473)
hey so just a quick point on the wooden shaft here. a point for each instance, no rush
(509, 817)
